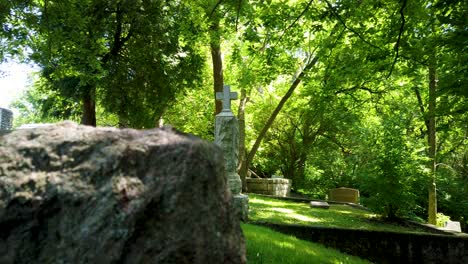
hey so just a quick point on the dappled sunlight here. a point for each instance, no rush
(342, 211)
(267, 246)
(282, 210)
(262, 213)
(337, 261)
(309, 251)
(266, 202)
(278, 212)
(291, 212)
(304, 218)
(283, 244)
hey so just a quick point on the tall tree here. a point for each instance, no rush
(223, 19)
(131, 57)
(429, 39)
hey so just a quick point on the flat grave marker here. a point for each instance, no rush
(319, 204)
(452, 226)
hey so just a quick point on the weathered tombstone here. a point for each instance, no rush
(319, 204)
(345, 195)
(78, 194)
(452, 226)
(227, 137)
(6, 119)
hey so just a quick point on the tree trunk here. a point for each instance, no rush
(275, 113)
(123, 110)
(432, 202)
(215, 45)
(89, 108)
(242, 168)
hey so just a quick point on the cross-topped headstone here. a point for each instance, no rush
(226, 96)
(227, 138)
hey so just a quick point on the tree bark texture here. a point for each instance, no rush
(215, 46)
(432, 202)
(89, 108)
(241, 168)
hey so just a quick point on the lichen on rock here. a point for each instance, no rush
(77, 194)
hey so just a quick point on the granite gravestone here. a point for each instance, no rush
(227, 137)
(6, 119)
(344, 195)
(319, 204)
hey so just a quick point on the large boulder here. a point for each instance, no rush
(77, 194)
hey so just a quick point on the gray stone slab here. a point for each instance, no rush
(452, 226)
(318, 204)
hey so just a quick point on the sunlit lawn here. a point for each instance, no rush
(267, 246)
(289, 212)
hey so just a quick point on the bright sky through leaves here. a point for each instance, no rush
(13, 81)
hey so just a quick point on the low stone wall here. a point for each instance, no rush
(276, 187)
(384, 247)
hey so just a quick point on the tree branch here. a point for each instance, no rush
(215, 7)
(295, 21)
(333, 139)
(362, 87)
(421, 107)
(422, 63)
(420, 102)
(349, 28)
(278, 108)
(238, 13)
(119, 41)
(397, 44)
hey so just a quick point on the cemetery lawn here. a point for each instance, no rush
(267, 246)
(266, 209)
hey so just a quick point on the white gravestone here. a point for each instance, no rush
(227, 137)
(319, 204)
(452, 226)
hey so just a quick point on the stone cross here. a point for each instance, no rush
(227, 137)
(226, 96)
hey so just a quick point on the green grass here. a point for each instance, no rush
(267, 246)
(289, 212)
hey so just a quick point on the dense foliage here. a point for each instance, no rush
(130, 57)
(364, 94)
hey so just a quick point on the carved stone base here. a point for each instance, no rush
(241, 206)
(234, 183)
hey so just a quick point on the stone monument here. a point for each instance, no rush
(344, 195)
(6, 119)
(227, 137)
